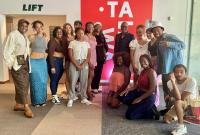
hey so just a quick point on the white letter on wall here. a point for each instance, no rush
(126, 10)
(112, 7)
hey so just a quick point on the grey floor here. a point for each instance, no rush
(97, 119)
(114, 123)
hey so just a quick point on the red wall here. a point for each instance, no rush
(108, 13)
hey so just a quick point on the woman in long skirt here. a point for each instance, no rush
(39, 72)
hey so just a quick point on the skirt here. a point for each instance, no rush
(38, 81)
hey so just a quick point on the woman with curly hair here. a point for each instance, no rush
(119, 79)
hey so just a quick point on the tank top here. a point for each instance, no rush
(143, 80)
(39, 45)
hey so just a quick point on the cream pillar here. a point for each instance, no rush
(4, 74)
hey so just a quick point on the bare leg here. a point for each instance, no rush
(179, 104)
(90, 77)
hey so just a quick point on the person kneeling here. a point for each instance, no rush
(182, 89)
(119, 79)
(140, 99)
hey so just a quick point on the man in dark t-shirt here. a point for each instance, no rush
(123, 39)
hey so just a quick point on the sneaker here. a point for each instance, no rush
(85, 101)
(95, 91)
(56, 100)
(156, 113)
(179, 130)
(75, 98)
(70, 103)
(163, 112)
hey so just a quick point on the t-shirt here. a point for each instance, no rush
(80, 49)
(189, 85)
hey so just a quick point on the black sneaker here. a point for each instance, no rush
(163, 112)
(156, 113)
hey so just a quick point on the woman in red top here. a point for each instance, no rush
(141, 98)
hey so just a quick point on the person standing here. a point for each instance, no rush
(101, 50)
(90, 38)
(79, 54)
(77, 24)
(123, 39)
(39, 72)
(68, 36)
(138, 47)
(55, 62)
(16, 55)
(169, 54)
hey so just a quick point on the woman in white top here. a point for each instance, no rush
(138, 47)
(79, 54)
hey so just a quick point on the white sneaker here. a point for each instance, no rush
(75, 98)
(179, 130)
(70, 103)
(55, 100)
(85, 101)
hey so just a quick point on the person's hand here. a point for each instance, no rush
(79, 67)
(167, 97)
(164, 43)
(53, 70)
(125, 92)
(172, 77)
(135, 69)
(91, 66)
(137, 100)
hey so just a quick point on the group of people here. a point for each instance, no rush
(148, 55)
(81, 53)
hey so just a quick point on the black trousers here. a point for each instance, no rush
(97, 75)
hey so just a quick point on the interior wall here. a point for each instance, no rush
(175, 17)
(4, 74)
(194, 62)
(47, 20)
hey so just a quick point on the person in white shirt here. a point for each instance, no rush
(182, 89)
(138, 47)
(79, 53)
(16, 55)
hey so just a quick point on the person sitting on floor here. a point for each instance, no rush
(119, 79)
(182, 89)
(141, 98)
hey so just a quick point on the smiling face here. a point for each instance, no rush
(98, 28)
(68, 29)
(140, 32)
(90, 28)
(38, 28)
(23, 28)
(119, 61)
(59, 33)
(124, 27)
(157, 32)
(149, 35)
(80, 34)
(144, 62)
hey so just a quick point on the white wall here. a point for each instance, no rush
(179, 12)
(4, 75)
(70, 8)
